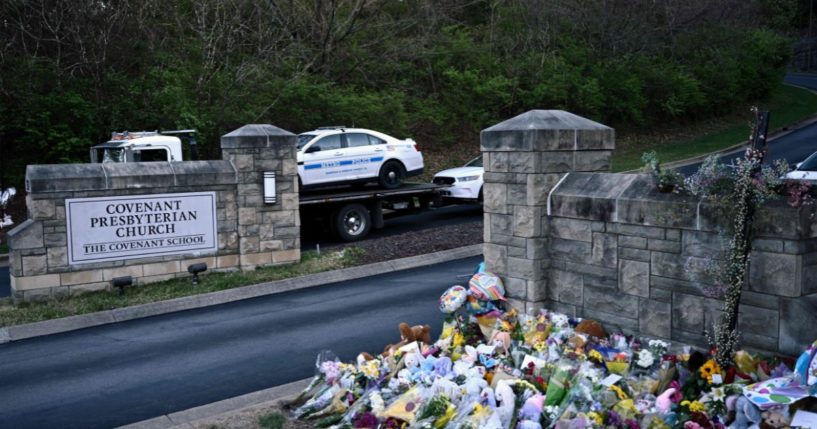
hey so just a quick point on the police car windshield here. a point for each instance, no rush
(303, 139)
(810, 164)
(476, 162)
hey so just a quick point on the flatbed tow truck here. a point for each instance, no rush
(352, 212)
(348, 211)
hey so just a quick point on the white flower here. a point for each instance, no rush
(6, 221)
(645, 359)
(718, 394)
(659, 346)
(559, 320)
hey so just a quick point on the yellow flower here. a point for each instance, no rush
(620, 393)
(709, 369)
(458, 340)
(596, 417)
(595, 355)
(697, 407)
(448, 331)
(539, 345)
(371, 369)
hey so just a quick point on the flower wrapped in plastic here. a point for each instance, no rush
(617, 361)
(406, 406)
(435, 413)
(560, 382)
(535, 328)
(580, 400)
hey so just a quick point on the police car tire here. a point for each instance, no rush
(385, 178)
(352, 222)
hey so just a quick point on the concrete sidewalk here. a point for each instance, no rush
(211, 414)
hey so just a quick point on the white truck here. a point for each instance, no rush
(144, 146)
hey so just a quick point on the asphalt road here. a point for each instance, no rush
(793, 147)
(127, 372)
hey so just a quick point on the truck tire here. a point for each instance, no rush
(392, 174)
(352, 222)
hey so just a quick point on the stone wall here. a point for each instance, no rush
(565, 236)
(626, 254)
(249, 232)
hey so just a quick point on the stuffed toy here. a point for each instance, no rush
(746, 414)
(773, 420)
(502, 341)
(507, 402)
(591, 328)
(409, 334)
(664, 401)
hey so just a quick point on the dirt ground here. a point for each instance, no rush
(248, 418)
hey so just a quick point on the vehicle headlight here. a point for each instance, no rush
(467, 178)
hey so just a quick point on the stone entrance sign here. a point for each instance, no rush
(91, 223)
(114, 228)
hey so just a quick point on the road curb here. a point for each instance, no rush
(775, 134)
(66, 324)
(189, 417)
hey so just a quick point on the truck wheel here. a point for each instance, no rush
(391, 175)
(352, 222)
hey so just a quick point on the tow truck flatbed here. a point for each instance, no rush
(330, 195)
(351, 213)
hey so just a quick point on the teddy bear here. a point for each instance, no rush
(773, 420)
(591, 328)
(409, 334)
(746, 413)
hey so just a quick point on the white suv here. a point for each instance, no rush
(338, 155)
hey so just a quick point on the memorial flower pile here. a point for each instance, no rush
(498, 369)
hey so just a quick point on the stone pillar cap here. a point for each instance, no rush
(547, 120)
(257, 135)
(547, 130)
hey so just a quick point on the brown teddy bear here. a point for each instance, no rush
(410, 334)
(773, 420)
(591, 328)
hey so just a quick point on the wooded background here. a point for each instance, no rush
(72, 71)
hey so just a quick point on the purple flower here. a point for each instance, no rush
(365, 420)
(613, 418)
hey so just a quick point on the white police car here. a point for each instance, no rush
(465, 181)
(806, 170)
(339, 155)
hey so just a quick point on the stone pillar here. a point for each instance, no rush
(267, 233)
(524, 158)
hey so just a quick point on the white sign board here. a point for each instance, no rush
(139, 226)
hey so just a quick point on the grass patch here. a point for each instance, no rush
(787, 105)
(310, 263)
(272, 421)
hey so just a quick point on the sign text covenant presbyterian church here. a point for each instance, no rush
(139, 226)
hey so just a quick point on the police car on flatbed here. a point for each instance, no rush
(339, 155)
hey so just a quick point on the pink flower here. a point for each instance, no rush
(692, 425)
(678, 395)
